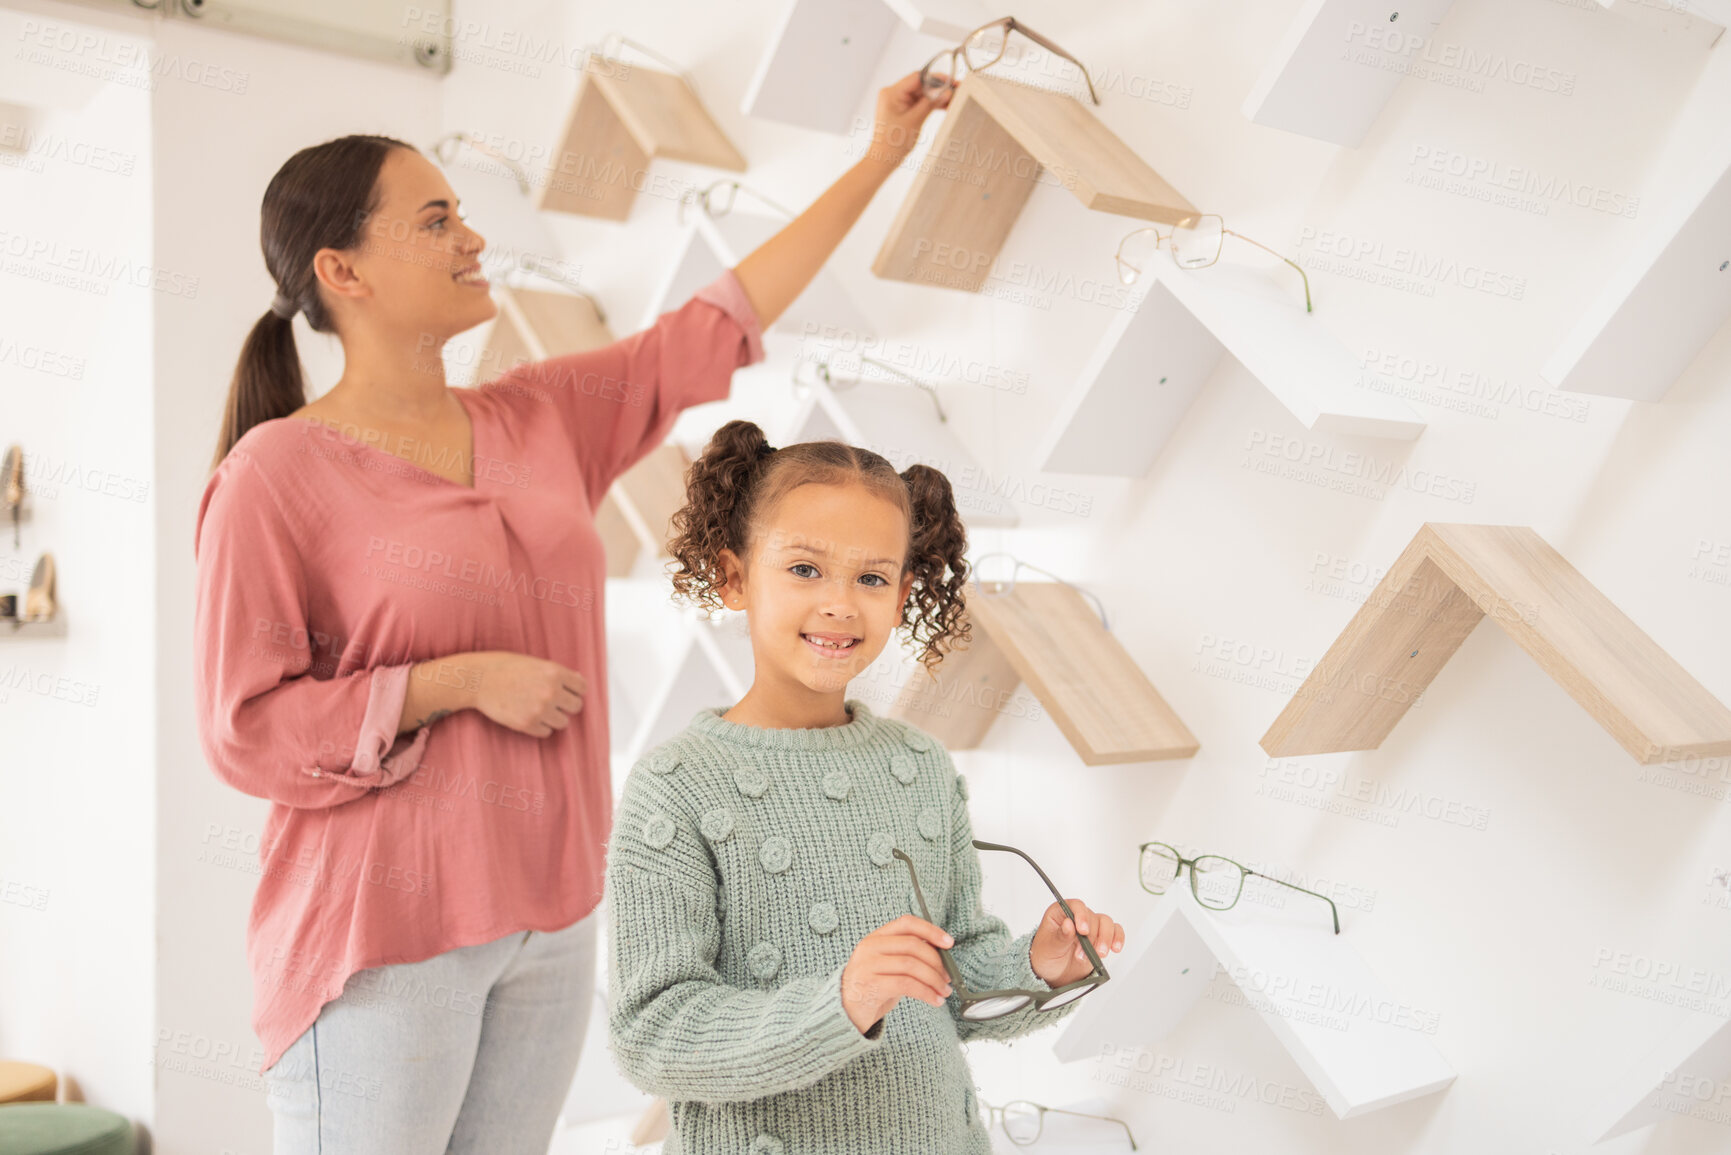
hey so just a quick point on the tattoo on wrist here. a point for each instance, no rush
(431, 718)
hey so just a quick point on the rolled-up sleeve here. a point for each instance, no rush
(268, 725)
(618, 402)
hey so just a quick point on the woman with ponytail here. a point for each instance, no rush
(763, 936)
(399, 635)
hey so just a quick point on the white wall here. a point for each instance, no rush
(1499, 932)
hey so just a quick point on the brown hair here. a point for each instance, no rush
(319, 199)
(739, 477)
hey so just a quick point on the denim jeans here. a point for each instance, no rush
(469, 1051)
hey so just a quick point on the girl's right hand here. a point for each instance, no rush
(898, 959)
(531, 695)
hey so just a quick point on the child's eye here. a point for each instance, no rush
(880, 577)
(798, 565)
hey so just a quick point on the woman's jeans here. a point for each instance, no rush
(469, 1051)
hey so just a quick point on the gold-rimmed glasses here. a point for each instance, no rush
(717, 197)
(984, 47)
(1024, 1121)
(1195, 243)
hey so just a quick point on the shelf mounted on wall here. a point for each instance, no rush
(1360, 1064)
(1330, 75)
(1444, 582)
(1157, 355)
(715, 667)
(1045, 634)
(1661, 1084)
(623, 116)
(1663, 304)
(997, 139)
(818, 66)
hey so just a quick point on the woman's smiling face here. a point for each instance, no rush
(415, 265)
(825, 587)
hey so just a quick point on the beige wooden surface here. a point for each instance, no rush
(1444, 582)
(665, 117)
(960, 704)
(596, 160)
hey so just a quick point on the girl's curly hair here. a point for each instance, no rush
(740, 476)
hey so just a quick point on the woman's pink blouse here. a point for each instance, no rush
(327, 567)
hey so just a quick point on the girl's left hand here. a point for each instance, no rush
(901, 109)
(1057, 955)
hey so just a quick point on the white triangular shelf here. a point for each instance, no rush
(714, 668)
(1368, 1065)
(1698, 1049)
(818, 68)
(1315, 85)
(1158, 354)
(899, 422)
(715, 244)
(1666, 301)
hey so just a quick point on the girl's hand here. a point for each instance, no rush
(902, 108)
(898, 959)
(1057, 955)
(531, 695)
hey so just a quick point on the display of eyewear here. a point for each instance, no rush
(1215, 882)
(1195, 242)
(984, 47)
(1024, 1122)
(980, 1005)
(716, 198)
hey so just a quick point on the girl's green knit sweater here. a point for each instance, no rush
(745, 864)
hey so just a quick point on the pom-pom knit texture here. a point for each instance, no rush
(727, 939)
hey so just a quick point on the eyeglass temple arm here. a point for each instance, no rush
(961, 988)
(1086, 945)
(1011, 23)
(1088, 1115)
(1288, 260)
(1331, 907)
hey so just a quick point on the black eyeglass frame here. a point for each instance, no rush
(1038, 999)
(1009, 24)
(1243, 871)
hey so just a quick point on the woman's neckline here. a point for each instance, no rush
(436, 478)
(861, 729)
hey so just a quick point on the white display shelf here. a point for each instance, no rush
(1328, 77)
(715, 244)
(1669, 298)
(1292, 969)
(1696, 1053)
(1158, 354)
(1701, 21)
(899, 422)
(714, 668)
(818, 67)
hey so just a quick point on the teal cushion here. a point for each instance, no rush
(62, 1129)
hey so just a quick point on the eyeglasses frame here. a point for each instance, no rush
(1118, 257)
(1040, 1107)
(1036, 999)
(1009, 24)
(1245, 872)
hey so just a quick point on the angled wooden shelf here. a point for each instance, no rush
(714, 668)
(1280, 958)
(1046, 634)
(1662, 306)
(1698, 1050)
(1699, 21)
(1328, 78)
(1157, 355)
(1443, 583)
(1003, 135)
(623, 116)
(818, 67)
(715, 244)
(899, 422)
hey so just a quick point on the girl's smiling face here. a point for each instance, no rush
(825, 587)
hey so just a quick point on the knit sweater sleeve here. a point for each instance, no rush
(987, 956)
(676, 1029)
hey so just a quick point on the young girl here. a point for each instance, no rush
(768, 974)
